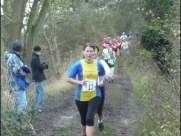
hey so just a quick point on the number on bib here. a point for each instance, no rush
(90, 86)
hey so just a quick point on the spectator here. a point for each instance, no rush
(38, 77)
(17, 80)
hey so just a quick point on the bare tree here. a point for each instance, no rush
(35, 23)
(14, 12)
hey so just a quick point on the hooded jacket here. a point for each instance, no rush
(17, 78)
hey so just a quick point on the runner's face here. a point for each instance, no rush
(88, 53)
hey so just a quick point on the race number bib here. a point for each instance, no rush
(90, 86)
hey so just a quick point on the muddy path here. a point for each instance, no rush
(120, 115)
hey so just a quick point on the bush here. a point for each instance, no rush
(152, 39)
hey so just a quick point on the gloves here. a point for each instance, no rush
(26, 70)
(45, 66)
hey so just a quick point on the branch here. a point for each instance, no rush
(6, 127)
(61, 22)
(31, 126)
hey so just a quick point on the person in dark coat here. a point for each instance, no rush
(38, 76)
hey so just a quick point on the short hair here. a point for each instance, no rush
(37, 48)
(97, 48)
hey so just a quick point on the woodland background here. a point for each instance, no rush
(62, 27)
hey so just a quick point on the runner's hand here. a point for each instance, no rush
(83, 82)
(100, 83)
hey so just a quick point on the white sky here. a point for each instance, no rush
(2, 1)
(27, 8)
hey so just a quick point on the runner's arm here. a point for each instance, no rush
(74, 81)
(106, 68)
(101, 72)
(103, 52)
(71, 76)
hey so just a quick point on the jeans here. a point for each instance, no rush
(20, 102)
(39, 95)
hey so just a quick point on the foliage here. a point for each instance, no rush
(157, 34)
(158, 97)
(69, 24)
(144, 54)
(152, 37)
(163, 7)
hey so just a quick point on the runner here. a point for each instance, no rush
(102, 88)
(123, 36)
(108, 40)
(88, 95)
(125, 47)
(114, 48)
(111, 62)
(129, 35)
(119, 42)
(104, 42)
(105, 51)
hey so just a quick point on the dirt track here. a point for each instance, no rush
(120, 115)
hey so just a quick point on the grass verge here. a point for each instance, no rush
(139, 79)
(157, 98)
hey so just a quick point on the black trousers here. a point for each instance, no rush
(100, 108)
(87, 110)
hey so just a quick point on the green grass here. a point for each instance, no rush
(108, 130)
(153, 93)
(139, 80)
(116, 95)
(66, 131)
(116, 66)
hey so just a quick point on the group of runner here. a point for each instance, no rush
(112, 49)
(89, 74)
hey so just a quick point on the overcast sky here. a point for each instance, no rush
(2, 1)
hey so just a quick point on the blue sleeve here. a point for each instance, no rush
(101, 70)
(73, 71)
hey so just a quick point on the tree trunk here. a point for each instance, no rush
(57, 52)
(33, 30)
(16, 23)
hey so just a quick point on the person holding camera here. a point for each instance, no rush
(17, 80)
(38, 76)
